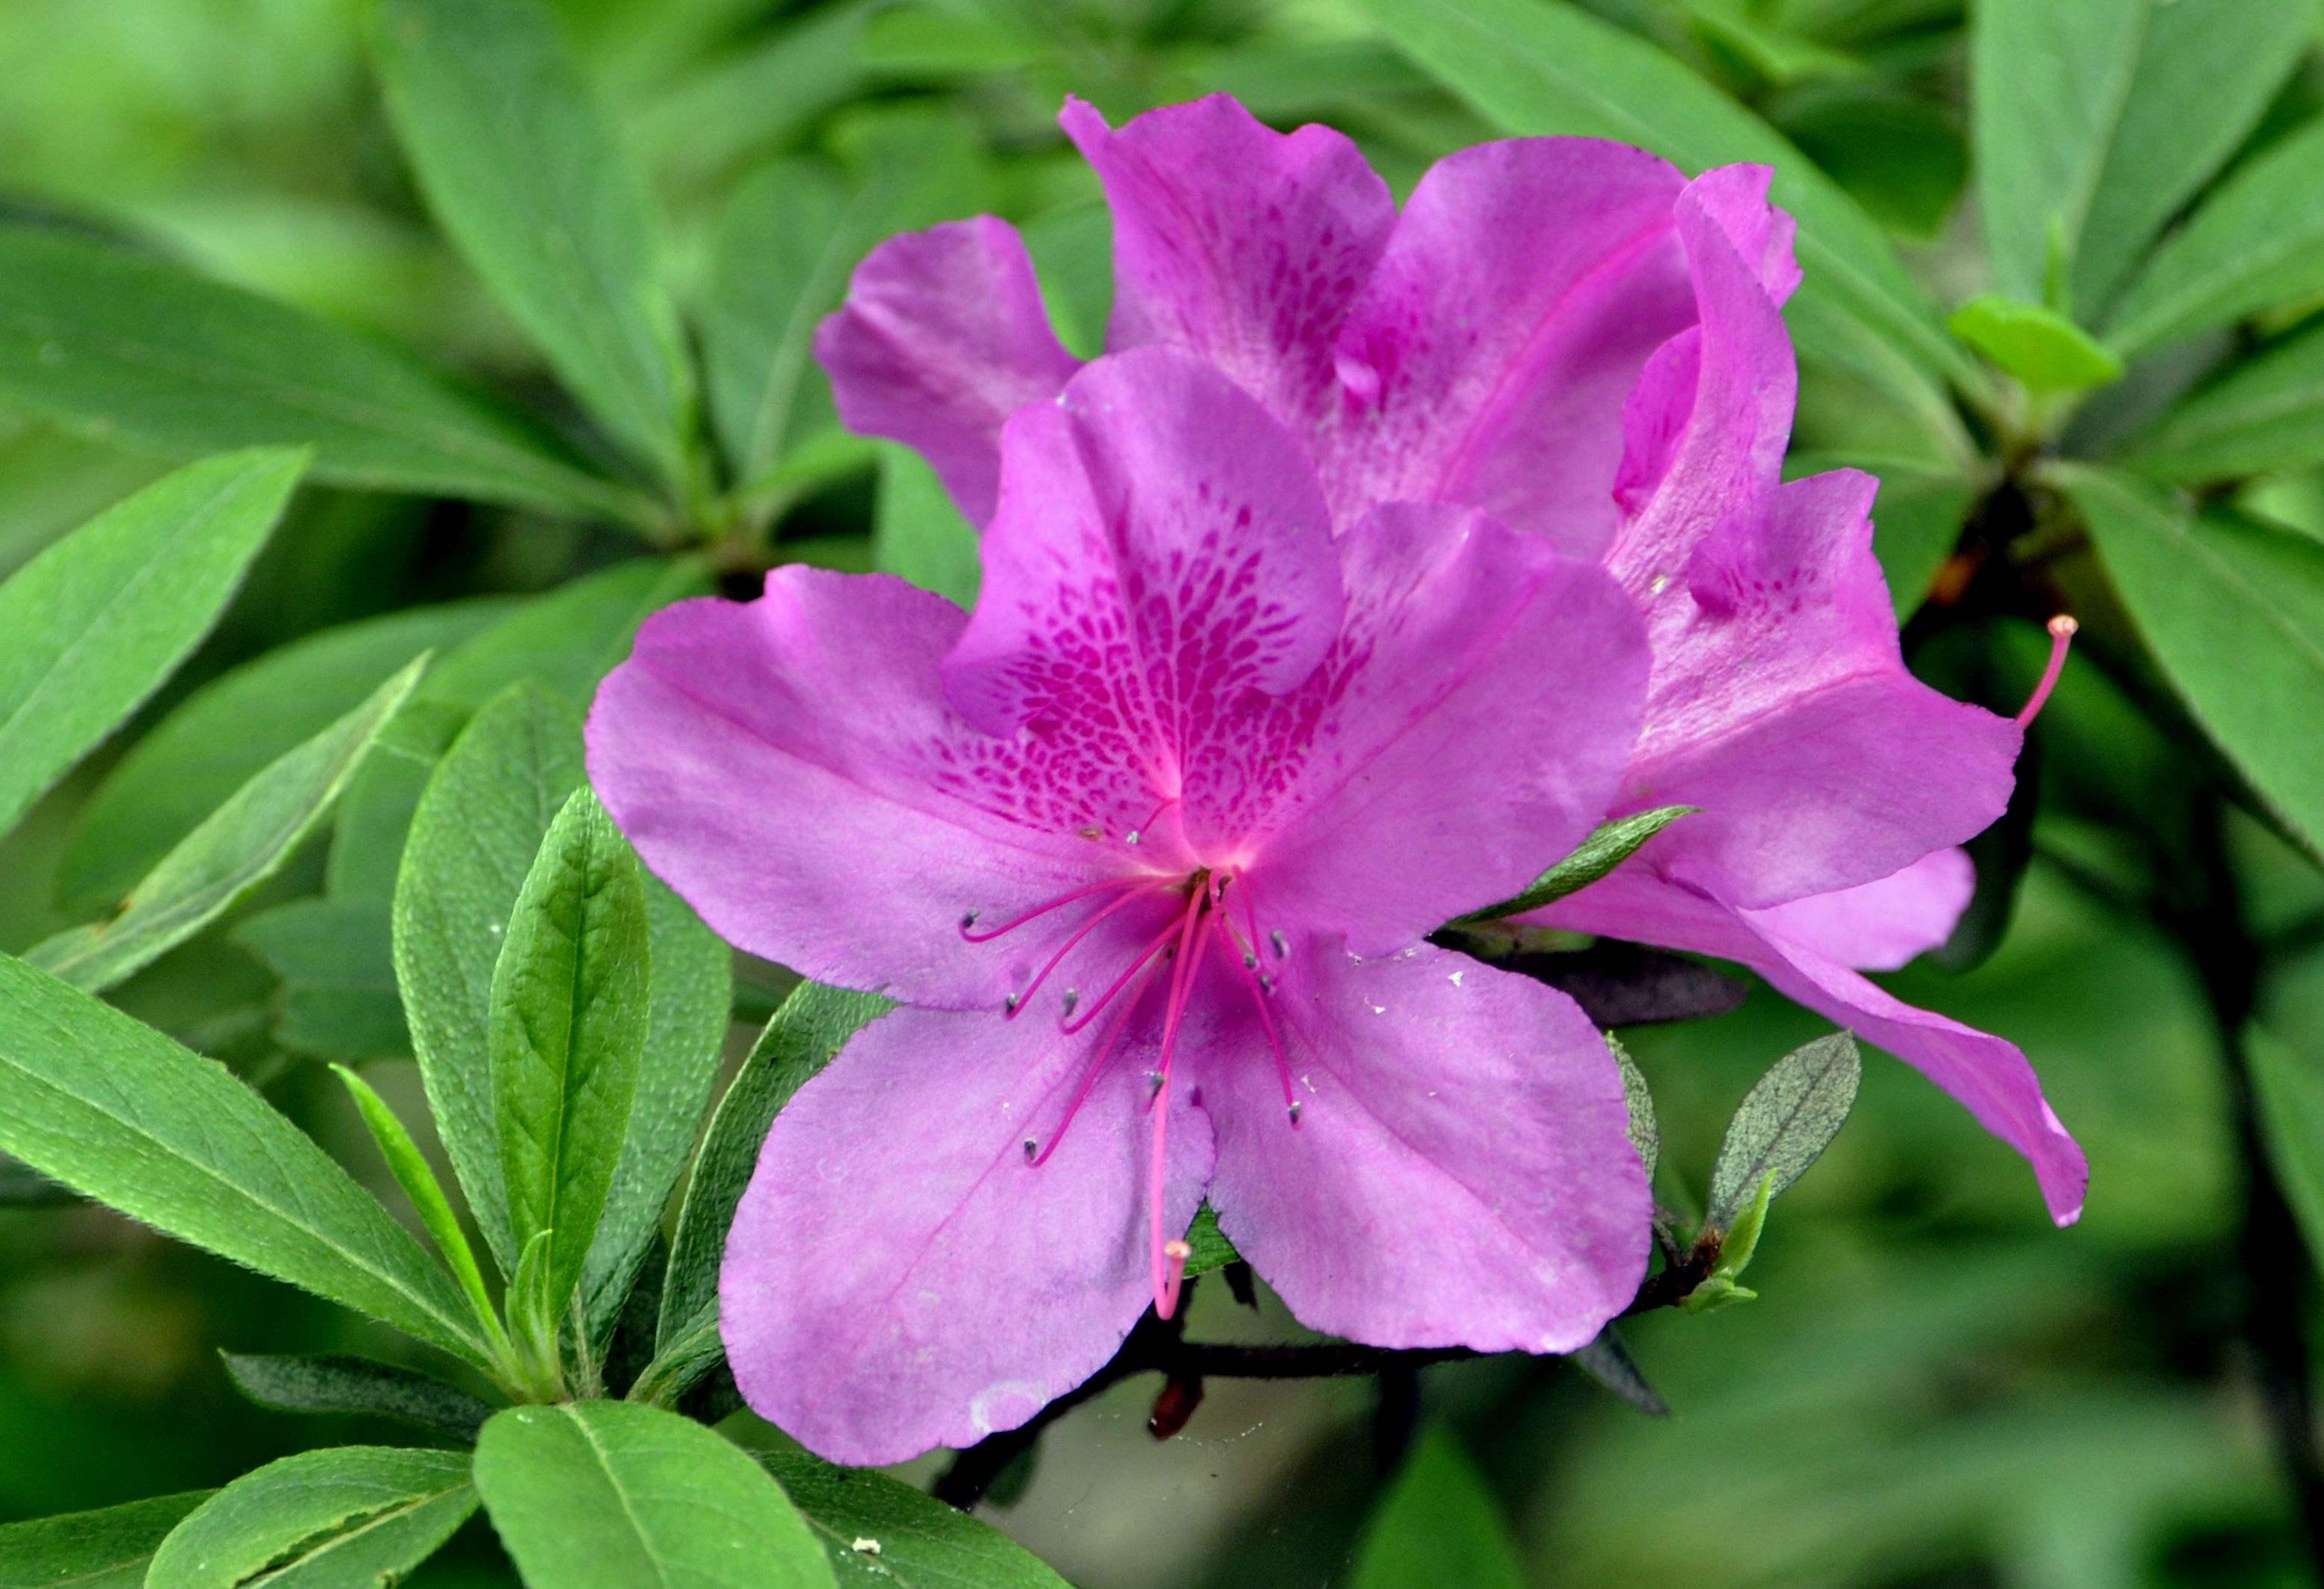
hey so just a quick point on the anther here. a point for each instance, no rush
(1153, 1080)
(1132, 836)
(1008, 1005)
(1294, 1111)
(1032, 1149)
(1250, 961)
(968, 920)
(1266, 983)
(2061, 636)
(1282, 944)
(1073, 997)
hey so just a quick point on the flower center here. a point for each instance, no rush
(1201, 920)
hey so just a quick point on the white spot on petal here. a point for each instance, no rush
(1456, 978)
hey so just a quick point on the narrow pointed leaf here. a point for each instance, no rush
(612, 1495)
(419, 1185)
(567, 1032)
(880, 1534)
(1784, 1124)
(813, 1024)
(337, 1385)
(105, 1549)
(521, 163)
(239, 846)
(1646, 1135)
(1608, 847)
(116, 1110)
(2234, 611)
(93, 626)
(98, 336)
(352, 1516)
(1607, 1361)
(1437, 1524)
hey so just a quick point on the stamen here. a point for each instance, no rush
(1089, 1080)
(1165, 1295)
(1138, 833)
(2062, 636)
(1153, 947)
(1258, 986)
(1073, 997)
(1170, 1255)
(1038, 911)
(1282, 944)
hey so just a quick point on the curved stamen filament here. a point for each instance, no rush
(1089, 1074)
(1169, 1253)
(1242, 956)
(1153, 946)
(1080, 932)
(2061, 636)
(968, 922)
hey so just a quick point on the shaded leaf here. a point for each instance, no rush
(1607, 1361)
(338, 998)
(335, 1384)
(569, 639)
(880, 1533)
(2289, 1088)
(918, 533)
(105, 1549)
(1211, 1248)
(349, 1518)
(1784, 1124)
(2265, 415)
(1437, 1524)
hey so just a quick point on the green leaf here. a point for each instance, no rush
(405, 1162)
(1607, 1361)
(2267, 415)
(1533, 67)
(880, 1534)
(128, 345)
(1784, 1124)
(1896, 154)
(569, 639)
(2095, 120)
(117, 1110)
(2043, 350)
(2256, 243)
(1212, 1251)
(376, 813)
(536, 1320)
(338, 998)
(814, 1023)
(917, 532)
(2234, 611)
(2289, 1088)
(611, 1495)
(567, 1033)
(521, 165)
(105, 1549)
(238, 847)
(352, 1516)
(472, 841)
(1437, 1524)
(337, 1385)
(1606, 848)
(93, 625)
(1646, 1135)
(225, 730)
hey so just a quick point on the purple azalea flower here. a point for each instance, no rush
(1148, 849)
(1573, 337)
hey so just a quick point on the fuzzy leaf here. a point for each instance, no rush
(1784, 1124)
(335, 1385)
(1612, 844)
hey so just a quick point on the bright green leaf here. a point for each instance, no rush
(917, 532)
(337, 1386)
(102, 338)
(521, 165)
(813, 1024)
(1211, 1249)
(106, 1549)
(612, 1495)
(880, 1534)
(351, 1517)
(2234, 611)
(567, 1032)
(2265, 415)
(239, 846)
(1784, 1124)
(117, 1110)
(1437, 1525)
(93, 625)
(232, 726)
(2257, 242)
(2042, 349)
(1606, 848)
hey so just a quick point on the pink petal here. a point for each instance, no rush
(1988, 1076)
(1235, 242)
(791, 768)
(1467, 731)
(1486, 362)
(1161, 552)
(898, 1276)
(1882, 925)
(944, 336)
(1461, 1172)
(1781, 705)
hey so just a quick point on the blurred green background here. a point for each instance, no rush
(1935, 1390)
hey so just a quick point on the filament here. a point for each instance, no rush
(1018, 1001)
(968, 922)
(2062, 636)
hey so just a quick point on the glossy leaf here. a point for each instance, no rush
(880, 1534)
(1784, 1124)
(1437, 1524)
(567, 1032)
(2265, 415)
(2256, 243)
(100, 336)
(1606, 848)
(351, 1517)
(208, 746)
(116, 1110)
(93, 626)
(1544, 66)
(612, 1495)
(2041, 349)
(2234, 611)
(239, 846)
(105, 1549)
(814, 1023)
(335, 1385)
(521, 166)
(2095, 120)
